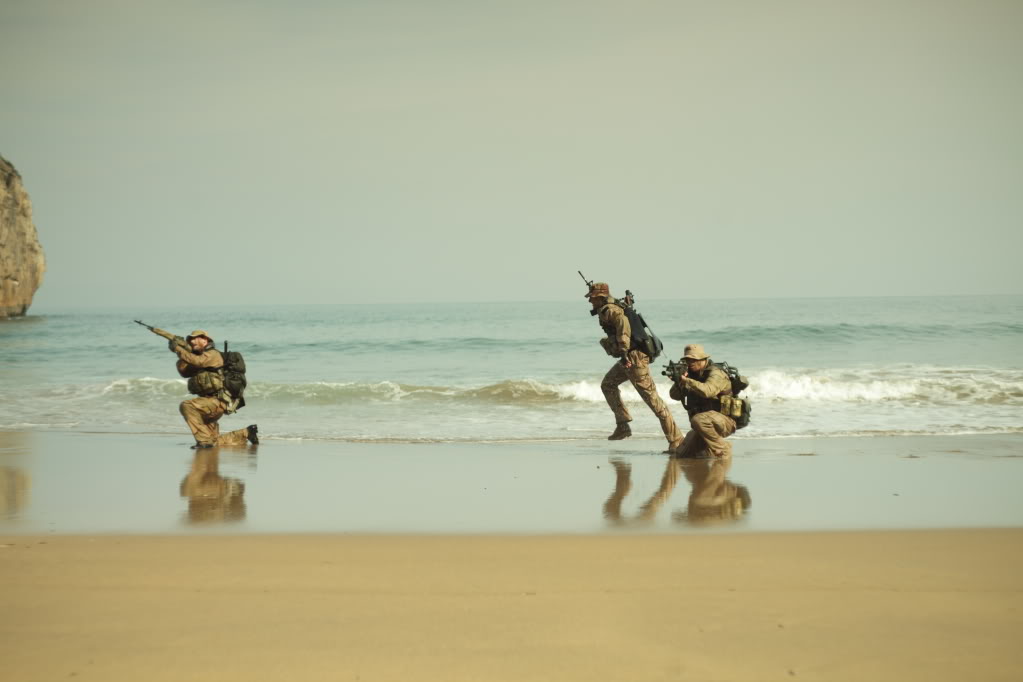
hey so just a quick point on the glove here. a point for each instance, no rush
(175, 342)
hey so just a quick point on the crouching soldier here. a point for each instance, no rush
(700, 389)
(202, 365)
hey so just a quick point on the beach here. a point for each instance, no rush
(534, 561)
(926, 605)
(433, 498)
(447, 252)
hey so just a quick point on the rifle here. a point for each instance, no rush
(628, 300)
(589, 287)
(178, 341)
(675, 370)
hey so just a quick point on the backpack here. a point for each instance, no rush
(735, 407)
(643, 338)
(234, 375)
(739, 382)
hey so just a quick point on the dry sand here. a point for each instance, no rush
(863, 606)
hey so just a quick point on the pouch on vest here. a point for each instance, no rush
(735, 407)
(738, 409)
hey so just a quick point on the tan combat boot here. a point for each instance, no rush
(622, 431)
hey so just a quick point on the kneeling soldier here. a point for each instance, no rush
(203, 367)
(700, 391)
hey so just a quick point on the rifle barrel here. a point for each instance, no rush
(159, 332)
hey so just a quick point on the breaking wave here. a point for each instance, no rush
(919, 385)
(915, 385)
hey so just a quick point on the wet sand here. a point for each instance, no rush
(127, 557)
(136, 483)
(923, 605)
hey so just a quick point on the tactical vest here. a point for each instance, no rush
(206, 381)
(696, 403)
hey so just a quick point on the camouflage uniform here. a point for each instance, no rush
(206, 380)
(618, 343)
(702, 392)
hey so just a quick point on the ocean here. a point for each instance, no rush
(487, 372)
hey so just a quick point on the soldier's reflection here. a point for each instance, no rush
(15, 483)
(212, 498)
(14, 486)
(712, 498)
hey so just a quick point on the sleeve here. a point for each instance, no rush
(211, 359)
(623, 330)
(185, 369)
(716, 384)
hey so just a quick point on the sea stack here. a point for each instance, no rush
(22, 263)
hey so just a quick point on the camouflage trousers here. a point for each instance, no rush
(202, 415)
(709, 432)
(639, 375)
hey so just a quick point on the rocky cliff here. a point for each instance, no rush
(22, 263)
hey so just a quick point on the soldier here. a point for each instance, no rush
(700, 389)
(203, 367)
(634, 366)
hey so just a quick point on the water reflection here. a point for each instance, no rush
(14, 487)
(212, 498)
(712, 497)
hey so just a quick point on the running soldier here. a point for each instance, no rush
(633, 366)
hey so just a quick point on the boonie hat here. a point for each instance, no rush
(694, 351)
(199, 332)
(598, 289)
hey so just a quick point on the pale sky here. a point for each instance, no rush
(231, 151)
